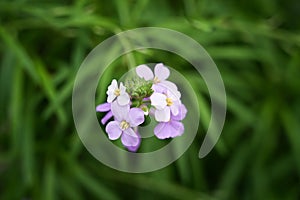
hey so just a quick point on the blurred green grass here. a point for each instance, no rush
(255, 44)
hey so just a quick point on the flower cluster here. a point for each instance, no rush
(146, 95)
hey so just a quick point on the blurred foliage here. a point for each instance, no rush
(255, 44)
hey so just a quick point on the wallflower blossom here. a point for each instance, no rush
(114, 92)
(165, 104)
(124, 120)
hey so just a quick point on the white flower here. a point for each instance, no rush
(114, 92)
(165, 104)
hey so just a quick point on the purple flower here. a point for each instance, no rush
(161, 73)
(105, 107)
(165, 104)
(172, 128)
(125, 120)
(114, 92)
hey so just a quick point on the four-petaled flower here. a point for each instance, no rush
(125, 119)
(114, 92)
(165, 104)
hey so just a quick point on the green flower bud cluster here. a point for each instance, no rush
(138, 88)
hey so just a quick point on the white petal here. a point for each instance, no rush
(145, 72)
(163, 115)
(113, 86)
(123, 99)
(122, 88)
(111, 91)
(161, 72)
(158, 100)
(111, 97)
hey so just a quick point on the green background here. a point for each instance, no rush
(256, 46)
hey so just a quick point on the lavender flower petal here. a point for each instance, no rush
(181, 113)
(129, 138)
(176, 127)
(105, 107)
(113, 130)
(145, 72)
(175, 107)
(170, 129)
(162, 130)
(119, 112)
(159, 88)
(169, 85)
(174, 95)
(106, 117)
(135, 148)
(136, 117)
(161, 72)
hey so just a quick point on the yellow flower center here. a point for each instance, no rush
(124, 125)
(117, 92)
(169, 102)
(156, 80)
